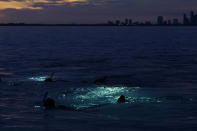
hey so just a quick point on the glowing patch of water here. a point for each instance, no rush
(88, 97)
(38, 78)
(36, 106)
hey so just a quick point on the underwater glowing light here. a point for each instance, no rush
(38, 78)
(36, 106)
(89, 97)
(100, 95)
(103, 92)
(93, 97)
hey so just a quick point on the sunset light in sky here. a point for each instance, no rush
(32, 4)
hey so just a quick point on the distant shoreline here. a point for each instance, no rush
(153, 25)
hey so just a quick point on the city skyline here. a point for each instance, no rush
(90, 11)
(161, 20)
(187, 20)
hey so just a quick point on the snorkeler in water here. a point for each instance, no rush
(49, 103)
(121, 99)
(49, 79)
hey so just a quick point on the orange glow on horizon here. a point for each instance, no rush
(28, 4)
(1, 16)
(16, 5)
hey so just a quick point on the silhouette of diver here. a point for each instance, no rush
(49, 79)
(121, 99)
(49, 103)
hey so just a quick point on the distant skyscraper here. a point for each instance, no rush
(117, 22)
(126, 21)
(195, 19)
(192, 18)
(130, 22)
(110, 22)
(160, 20)
(175, 21)
(185, 20)
(169, 22)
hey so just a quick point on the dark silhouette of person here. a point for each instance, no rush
(49, 79)
(121, 99)
(49, 103)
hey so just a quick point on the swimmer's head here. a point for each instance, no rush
(121, 99)
(49, 103)
(48, 80)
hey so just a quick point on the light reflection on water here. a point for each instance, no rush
(38, 78)
(88, 97)
(81, 98)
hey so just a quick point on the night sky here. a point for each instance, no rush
(91, 11)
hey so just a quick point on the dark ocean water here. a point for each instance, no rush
(154, 67)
